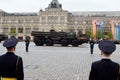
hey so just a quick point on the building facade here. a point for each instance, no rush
(55, 18)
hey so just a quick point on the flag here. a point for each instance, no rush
(101, 26)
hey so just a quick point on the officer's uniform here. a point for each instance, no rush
(105, 69)
(11, 65)
(91, 46)
(27, 42)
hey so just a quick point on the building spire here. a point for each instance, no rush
(55, 4)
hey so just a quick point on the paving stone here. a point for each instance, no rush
(58, 63)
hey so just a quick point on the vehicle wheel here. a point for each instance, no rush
(48, 42)
(64, 42)
(38, 42)
(75, 43)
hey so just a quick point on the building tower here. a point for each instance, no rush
(55, 4)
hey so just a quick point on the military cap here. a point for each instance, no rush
(107, 46)
(11, 42)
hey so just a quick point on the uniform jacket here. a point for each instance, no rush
(104, 69)
(27, 41)
(8, 66)
(91, 44)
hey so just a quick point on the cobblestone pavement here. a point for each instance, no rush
(58, 63)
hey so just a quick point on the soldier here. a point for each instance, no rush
(27, 42)
(105, 69)
(11, 65)
(91, 42)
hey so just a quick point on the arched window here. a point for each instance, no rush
(20, 30)
(35, 28)
(28, 30)
(5, 29)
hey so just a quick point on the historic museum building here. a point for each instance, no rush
(55, 18)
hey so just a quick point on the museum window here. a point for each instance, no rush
(5, 29)
(28, 30)
(5, 21)
(62, 20)
(20, 21)
(56, 19)
(43, 21)
(35, 28)
(36, 21)
(12, 21)
(52, 20)
(20, 30)
(49, 19)
(13, 29)
(28, 21)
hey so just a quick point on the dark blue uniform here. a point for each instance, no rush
(91, 46)
(9, 67)
(104, 69)
(27, 42)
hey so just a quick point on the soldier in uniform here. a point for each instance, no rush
(27, 42)
(105, 69)
(11, 65)
(91, 42)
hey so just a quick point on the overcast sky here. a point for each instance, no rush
(70, 5)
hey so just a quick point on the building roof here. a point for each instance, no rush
(21, 14)
(97, 13)
(1, 10)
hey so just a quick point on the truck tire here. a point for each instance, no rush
(38, 42)
(64, 42)
(48, 42)
(75, 43)
(0, 40)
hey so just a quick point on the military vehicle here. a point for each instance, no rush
(3, 37)
(52, 37)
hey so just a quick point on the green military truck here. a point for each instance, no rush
(52, 37)
(3, 37)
